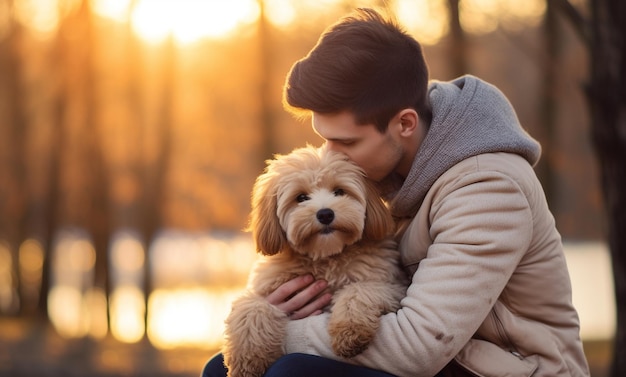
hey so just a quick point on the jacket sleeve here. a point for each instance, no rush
(480, 226)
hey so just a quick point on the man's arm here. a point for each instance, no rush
(480, 226)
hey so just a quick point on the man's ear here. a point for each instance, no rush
(409, 121)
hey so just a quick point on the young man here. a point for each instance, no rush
(490, 292)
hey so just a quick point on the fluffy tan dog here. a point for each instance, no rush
(313, 212)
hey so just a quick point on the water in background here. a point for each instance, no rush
(195, 277)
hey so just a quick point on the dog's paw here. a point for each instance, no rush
(349, 339)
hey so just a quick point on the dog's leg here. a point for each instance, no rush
(356, 313)
(254, 333)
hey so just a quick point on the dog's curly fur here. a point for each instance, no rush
(314, 212)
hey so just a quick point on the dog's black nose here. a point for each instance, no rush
(325, 216)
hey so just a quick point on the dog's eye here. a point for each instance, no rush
(339, 192)
(302, 197)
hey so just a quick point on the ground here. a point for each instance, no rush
(34, 349)
(30, 348)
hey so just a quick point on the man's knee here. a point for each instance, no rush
(293, 364)
(215, 367)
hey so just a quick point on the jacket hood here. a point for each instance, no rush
(470, 117)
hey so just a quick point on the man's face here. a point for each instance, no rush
(377, 154)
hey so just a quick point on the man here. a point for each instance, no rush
(490, 292)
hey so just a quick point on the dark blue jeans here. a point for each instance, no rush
(301, 365)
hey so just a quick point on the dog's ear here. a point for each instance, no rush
(379, 223)
(264, 224)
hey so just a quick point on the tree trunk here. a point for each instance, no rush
(607, 98)
(457, 43)
(51, 211)
(98, 209)
(268, 145)
(155, 185)
(14, 204)
(549, 93)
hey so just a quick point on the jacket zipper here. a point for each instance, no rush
(505, 336)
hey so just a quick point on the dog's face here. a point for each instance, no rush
(316, 202)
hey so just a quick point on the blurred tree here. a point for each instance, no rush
(268, 146)
(14, 199)
(607, 95)
(78, 182)
(605, 36)
(457, 50)
(154, 182)
(50, 212)
(98, 208)
(548, 105)
(145, 214)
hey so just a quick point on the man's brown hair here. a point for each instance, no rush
(366, 64)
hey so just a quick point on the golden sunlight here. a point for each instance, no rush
(195, 278)
(64, 310)
(115, 9)
(426, 20)
(75, 314)
(41, 17)
(70, 304)
(127, 312)
(190, 20)
(127, 301)
(95, 304)
(280, 12)
(188, 317)
(484, 16)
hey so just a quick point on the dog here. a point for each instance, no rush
(314, 212)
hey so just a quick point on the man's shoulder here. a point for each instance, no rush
(486, 167)
(509, 164)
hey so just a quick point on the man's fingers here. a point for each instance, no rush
(304, 297)
(286, 290)
(300, 297)
(312, 308)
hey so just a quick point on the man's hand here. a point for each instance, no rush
(300, 297)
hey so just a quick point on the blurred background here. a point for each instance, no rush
(131, 132)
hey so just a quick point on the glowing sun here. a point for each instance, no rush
(186, 20)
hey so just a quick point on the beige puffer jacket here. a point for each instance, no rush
(532, 328)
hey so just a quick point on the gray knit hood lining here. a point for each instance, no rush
(470, 117)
